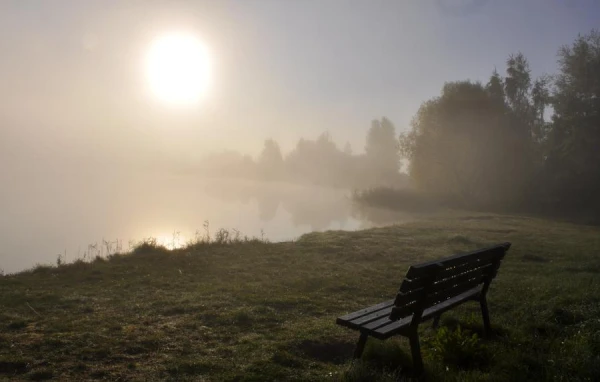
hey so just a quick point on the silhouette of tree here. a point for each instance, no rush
(347, 149)
(319, 162)
(573, 154)
(270, 161)
(382, 153)
(459, 147)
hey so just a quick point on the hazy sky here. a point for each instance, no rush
(73, 84)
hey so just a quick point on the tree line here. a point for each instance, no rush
(320, 161)
(515, 141)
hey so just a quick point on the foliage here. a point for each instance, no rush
(320, 162)
(492, 146)
(270, 161)
(381, 153)
(573, 156)
(463, 149)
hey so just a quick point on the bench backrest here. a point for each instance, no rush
(434, 282)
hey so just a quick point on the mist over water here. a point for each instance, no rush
(62, 214)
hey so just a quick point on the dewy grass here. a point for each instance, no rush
(241, 310)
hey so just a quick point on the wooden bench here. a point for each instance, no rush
(428, 290)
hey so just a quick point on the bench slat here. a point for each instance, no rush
(477, 274)
(399, 312)
(403, 299)
(449, 293)
(463, 268)
(364, 312)
(482, 255)
(409, 287)
(471, 262)
(386, 330)
(371, 317)
(381, 322)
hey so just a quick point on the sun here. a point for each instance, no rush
(178, 68)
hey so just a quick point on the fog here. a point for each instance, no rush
(88, 152)
(74, 216)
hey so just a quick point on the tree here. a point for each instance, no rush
(321, 162)
(270, 161)
(495, 88)
(573, 155)
(517, 84)
(460, 147)
(382, 153)
(348, 149)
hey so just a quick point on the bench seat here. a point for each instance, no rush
(375, 321)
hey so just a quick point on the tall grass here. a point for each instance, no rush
(106, 249)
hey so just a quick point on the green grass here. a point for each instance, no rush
(257, 311)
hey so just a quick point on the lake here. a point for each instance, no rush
(77, 216)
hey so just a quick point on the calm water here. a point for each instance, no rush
(65, 214)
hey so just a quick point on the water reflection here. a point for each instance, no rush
(318, 208)
(51, 219)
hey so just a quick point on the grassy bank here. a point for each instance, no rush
(259, 311)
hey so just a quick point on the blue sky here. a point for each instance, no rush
(282, 68)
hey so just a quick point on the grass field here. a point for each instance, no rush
(266, 311)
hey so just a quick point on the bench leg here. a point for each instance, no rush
(415, 349)
(360, 346)
(486, 317)
(436, 321)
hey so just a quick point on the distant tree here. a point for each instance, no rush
(495, 88)
(270, 161)
(460, 146)
(483, 144)
(382, 153)
(319, 162)
(541, 99)
(347, 149)
(518, 83)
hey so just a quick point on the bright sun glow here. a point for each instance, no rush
(171, 241)
(178, 68)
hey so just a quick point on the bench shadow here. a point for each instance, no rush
(390, 358)
(13, 367)
(388, 355)
(327, 351)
